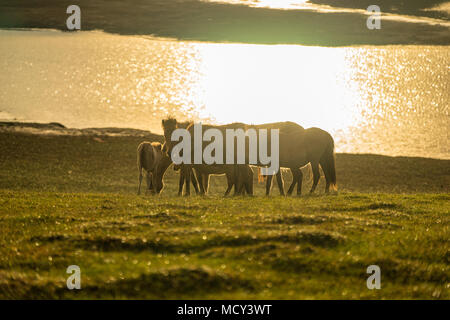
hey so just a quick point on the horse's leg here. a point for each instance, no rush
(249, 184)
(230, 183)
(280, 182)
(240, 179)
(149, 181)
(155, 181)
(194, 182)
(316, 175)
(246, 184)
(268, 184)
(324, 166)
(299, 182)
(247, 188)
(181, 183)
(140, 181)
(237, 179)
(294, 172)
(327, 186)
(206, 182)
(200, 182)
(187, 176)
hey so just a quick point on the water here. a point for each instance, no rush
(387, 99)
(308, 6)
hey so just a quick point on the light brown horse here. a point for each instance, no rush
(152, 163)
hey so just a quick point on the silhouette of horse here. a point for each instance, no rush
(318, 149)
(239, 177)
(184, 171)
(152, 163)
(297, 148)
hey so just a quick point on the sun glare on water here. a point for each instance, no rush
(379, 99)
(273, 4)
(257, 84)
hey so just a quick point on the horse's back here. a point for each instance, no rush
(318, 135)
(317, 141)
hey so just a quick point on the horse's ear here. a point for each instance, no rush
(163, 121)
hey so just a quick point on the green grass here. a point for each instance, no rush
(166, 247)
(169, 247)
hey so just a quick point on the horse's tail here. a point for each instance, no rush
(328, 164)
(141, 159)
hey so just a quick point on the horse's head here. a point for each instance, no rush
(165, 162)
(169, 125)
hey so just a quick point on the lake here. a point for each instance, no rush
(389, 100)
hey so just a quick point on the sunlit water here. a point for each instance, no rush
(389, 99)
(308, 6)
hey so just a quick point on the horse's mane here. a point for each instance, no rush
(169, 122)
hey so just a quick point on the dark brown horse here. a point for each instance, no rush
(184, 171)
(318, 146)
(241, 177)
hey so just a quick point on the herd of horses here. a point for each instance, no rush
(297, 148)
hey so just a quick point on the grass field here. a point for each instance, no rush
(68, 200)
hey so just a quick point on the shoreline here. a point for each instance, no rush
(212, 41)
(103, 160)
(58, 129)
(221, 22)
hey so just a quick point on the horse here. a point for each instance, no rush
(241, 177)
(203, 172)
(183, 174)
(297, 148)
(152, 162)
(318, 146)
(184, 171)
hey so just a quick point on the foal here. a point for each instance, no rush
(152, 162)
